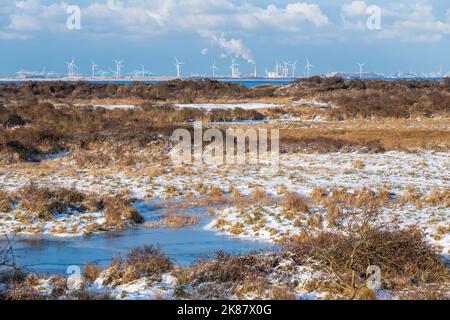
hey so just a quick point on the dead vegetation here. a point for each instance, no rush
(363, 139)
(45, 203)
(147, 261)
(374, 98)
(179, 221)
(118, 211)
(406, 260)
(295, 202)
(5, 202)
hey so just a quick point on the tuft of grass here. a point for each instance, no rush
(179, 221)
(215, 192)
(91, 271)
(358, 164)
(5, 202)
(118, 210)
(258, 193)
(293, 201)
(333, 213)
(148, 261)
(43, 202)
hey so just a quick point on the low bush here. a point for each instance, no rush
(400, 253)
(5, 202)
(118, 210)
(147, 261)
(179, 221)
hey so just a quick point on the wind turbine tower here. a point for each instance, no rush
(294, 68)
(178, 65)
(119, 66)
(361, 66)
(214, 68)
(71, 68)
(285, 69)
(94, 68)
(308, 68)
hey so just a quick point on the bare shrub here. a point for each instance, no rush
(400, 253)
(140, 262)
(231, 269)
(91, 271)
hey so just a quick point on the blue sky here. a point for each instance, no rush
(414, 35)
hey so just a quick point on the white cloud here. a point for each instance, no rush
(27, 4)
(204, 51)
(12, 36)
(141, 19)
(24, 22)
(355, 9)
(413, 22)
(292, 16)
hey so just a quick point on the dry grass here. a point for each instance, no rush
(179, 221)
(43, 202)
(118, 210)
(215, 192)
(258, 193)
(363, 139)
(293, 201)
(5, 202)
(91, 272)
(147, 261)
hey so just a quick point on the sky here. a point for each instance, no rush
(387, 35)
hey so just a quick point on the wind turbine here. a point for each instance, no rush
(143, 71)
(71, 66)
(294, 68)
(286, 69)
(94, 68)
(178, 65)
(119, 66)
(255, 74)
(308, 67)
(361, 66)
(214, 68)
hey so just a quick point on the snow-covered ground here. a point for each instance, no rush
(300, 173)
(62, 225)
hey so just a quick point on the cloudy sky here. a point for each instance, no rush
(335, 35)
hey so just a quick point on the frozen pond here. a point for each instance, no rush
(183, 246)
(215, 106)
